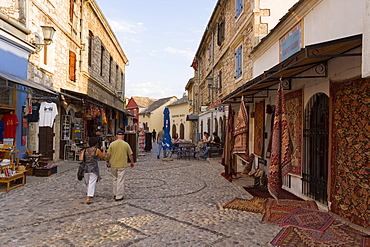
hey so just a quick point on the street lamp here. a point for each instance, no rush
(48, 32)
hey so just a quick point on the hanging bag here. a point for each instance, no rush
(81, 169)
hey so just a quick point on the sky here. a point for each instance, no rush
(160, 39)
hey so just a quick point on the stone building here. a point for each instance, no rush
(319, 55)
(152, 117)
(222, 62)
(84, 66)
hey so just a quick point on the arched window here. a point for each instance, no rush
(182, 131)
(173, 130)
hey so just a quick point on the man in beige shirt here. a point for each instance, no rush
(118, 152)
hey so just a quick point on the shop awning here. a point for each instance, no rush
(192, 118)
(9, 77)
(87, 99)
(305, 59)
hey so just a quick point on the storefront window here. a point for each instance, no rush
(6, 93)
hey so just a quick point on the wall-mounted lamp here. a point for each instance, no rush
(210, 83)
(48, 32)
(119, 94)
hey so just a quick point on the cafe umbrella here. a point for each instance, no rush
(167, 142)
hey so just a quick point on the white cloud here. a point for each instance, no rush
(126, 27)
(186, 53)
(154, 90)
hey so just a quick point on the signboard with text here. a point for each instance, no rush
(291, 42)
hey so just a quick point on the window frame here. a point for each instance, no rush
(72, 66)
(220, 32)
(238, 8)
(239, 62)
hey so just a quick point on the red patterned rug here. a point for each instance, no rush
(294, 108)
(262, 192)
(337, 235)
(275, 211)
(308, 219)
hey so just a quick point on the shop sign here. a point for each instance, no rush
(214, 105)
(291, 42)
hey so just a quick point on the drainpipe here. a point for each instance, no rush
(213, 67)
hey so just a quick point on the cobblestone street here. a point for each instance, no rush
(167, 203)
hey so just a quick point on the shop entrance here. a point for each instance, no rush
(46, 137)
(315, 138)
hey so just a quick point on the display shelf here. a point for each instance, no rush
(10, 181)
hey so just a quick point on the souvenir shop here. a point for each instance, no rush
(83, 117)
(16, 111)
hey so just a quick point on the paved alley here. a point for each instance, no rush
(167, 203)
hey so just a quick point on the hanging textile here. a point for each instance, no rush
(148, 141)
(281, 150)
(141, 141)
(227, 155)
(259, 128)
(48, 111)
(241, 131)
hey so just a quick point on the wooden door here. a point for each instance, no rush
(46, 142)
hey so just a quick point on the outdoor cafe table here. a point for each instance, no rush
(186, 149)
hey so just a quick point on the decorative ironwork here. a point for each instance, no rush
(315, 139)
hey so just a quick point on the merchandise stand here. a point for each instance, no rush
(13, 155)
(9, 181)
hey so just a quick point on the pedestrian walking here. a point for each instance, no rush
(154, 134)
(118, 152)
(160, 147)
(90, 157)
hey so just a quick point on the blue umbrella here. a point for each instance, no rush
(167, 142)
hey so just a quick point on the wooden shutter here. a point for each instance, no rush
(72, 66)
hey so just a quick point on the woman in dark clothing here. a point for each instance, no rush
(90, 156)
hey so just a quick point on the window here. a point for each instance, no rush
(101, 59)
(209, 52)
(90, 43)
(117, 76)
(238, 7)
(72, 66)
(220, 32)
(238, 62)
(110, 70)
(45, 55)
(71, 9)
(220, 81)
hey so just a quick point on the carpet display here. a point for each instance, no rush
(263, 193)
(228, 160)
(308, 219)
(337, 235)
(294, 108)
(241, 130)
(275, 210)
(259, 130)
(254, 205)
(281, 150)
(349, 188)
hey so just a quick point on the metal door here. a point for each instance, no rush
(315, 138)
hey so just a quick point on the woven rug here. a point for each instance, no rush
(254, 205)
(337, 235)
(263, 193)
(308, 219)
(275, 211)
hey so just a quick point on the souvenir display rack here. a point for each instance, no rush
(9, 173)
